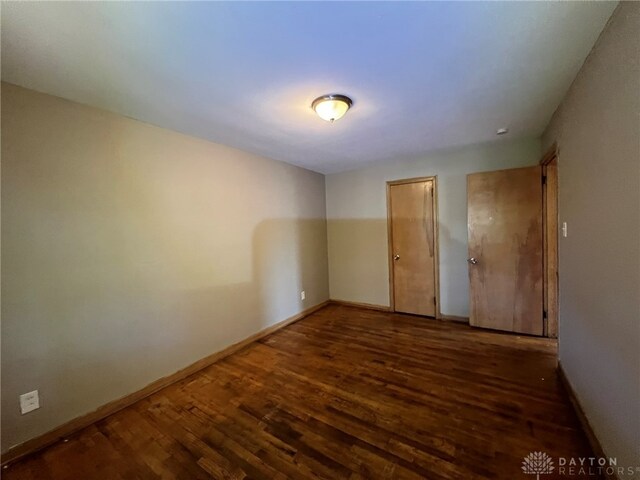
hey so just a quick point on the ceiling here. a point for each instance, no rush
(423, 75)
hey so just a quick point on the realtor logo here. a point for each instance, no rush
(537, 463)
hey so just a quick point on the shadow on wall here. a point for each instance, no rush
(106, 337)
(359, 264)
(287, 258)
(290, 257)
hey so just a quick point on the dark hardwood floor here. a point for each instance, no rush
(343, 393)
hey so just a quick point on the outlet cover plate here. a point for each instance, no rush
(29, 402)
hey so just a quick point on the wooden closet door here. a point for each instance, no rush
(412, 221)
(505, 249)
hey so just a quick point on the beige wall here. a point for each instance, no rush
(130, 252)
(357, 220)
(597, 128)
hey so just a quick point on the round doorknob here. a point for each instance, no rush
(396, 257)
(472, 261)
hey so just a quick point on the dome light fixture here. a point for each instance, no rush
(331, 107)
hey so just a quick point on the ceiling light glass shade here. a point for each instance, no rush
(331, 107)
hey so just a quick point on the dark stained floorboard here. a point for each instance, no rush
(343, 393)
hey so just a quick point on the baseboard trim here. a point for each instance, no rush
(72, 426)
(584, 421)
(368, 306)
(383, 308)
(454, 318)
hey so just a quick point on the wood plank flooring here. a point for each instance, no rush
(344, 393)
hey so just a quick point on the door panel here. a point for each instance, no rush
(505, 239)
(413, 247)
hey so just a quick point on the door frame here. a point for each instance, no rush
(550, 239)
(436, 240)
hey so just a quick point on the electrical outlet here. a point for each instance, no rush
(29, 402)
(564, 229)
(303, 295)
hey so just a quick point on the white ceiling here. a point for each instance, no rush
(423, 75)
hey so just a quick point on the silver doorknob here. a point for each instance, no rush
(396, 257)
(472, 261)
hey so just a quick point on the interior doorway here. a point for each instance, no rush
(550, 224)
(513, 248)
(413, 246)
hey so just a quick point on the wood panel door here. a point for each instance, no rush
(413, 242)
(505, 250)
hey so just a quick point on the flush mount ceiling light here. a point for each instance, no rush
(502, 131)
(331, 107)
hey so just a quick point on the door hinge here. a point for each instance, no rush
(544, 179)
(544, 314)
(434, 300)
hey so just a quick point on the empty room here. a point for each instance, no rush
(320, 240)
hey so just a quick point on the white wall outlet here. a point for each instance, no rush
(29, 402)
(303, 295)
(564, 229)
